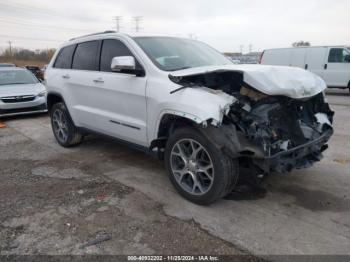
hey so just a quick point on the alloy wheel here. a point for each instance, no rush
(60, 126)
(192, 166)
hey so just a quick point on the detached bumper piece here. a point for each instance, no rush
(302, 156)
(23, 111)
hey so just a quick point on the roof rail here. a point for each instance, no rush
(99, 33)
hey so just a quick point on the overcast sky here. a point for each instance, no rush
(225, 24)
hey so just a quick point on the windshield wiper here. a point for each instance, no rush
(182, 68)
(183, 87)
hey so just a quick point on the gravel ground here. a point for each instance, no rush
(54, 203)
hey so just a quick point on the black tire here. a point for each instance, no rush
(226, 169)
(73, 137)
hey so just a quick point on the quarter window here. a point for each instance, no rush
(64, 57)
(338, 55)
(86, 56)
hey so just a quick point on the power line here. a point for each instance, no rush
(44, 26)
(33, 10)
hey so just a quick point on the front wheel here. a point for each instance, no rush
(199, 171)
(65, 131)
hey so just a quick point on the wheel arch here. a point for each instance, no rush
(167, 124)
(53, 98)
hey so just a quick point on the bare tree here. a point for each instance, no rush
(301, 43)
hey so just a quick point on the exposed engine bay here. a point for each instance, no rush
(289, 133)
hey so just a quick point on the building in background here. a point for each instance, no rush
(239, 58)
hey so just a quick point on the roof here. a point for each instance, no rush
(342, 46)
(93, 34)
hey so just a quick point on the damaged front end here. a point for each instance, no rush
(290, 133)
(267, 132)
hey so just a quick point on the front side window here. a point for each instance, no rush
(339, 55)
(16, 77)
(112, 48)
(86, 56)
(171, 54)
(64, 57)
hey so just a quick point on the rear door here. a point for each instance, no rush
(120, 96)
(297, 57)
(337, 73)
(81, 81)
(57, 76)
(315, 60)
(276, 57)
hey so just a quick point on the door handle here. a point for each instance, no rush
(66, 76)
(98, 80)
(325, 66)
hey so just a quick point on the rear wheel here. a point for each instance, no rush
(198, 170)
(66, 133)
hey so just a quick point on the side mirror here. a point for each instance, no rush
(347, 58)
(120, 63)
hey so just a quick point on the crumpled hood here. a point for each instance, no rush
(272, 80)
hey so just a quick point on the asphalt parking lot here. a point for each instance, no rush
(56, 201)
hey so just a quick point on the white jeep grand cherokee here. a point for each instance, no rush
(206, 117)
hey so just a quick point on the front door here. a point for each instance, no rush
(337, 73)
(120, 97)
(315, 60)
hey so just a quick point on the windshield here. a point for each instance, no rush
(12, 77)
(171, 54)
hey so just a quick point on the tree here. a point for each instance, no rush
(43, 55)
(301, 43)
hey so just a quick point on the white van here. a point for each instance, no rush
(332, 63)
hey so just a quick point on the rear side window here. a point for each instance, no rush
(338, 55)
(86, 56)
(64, 57)
(112, 48)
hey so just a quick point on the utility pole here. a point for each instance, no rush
(10, 45)
(117, 20)
(250, 48)
(241, 48)
(137, 20)
(192, 36)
